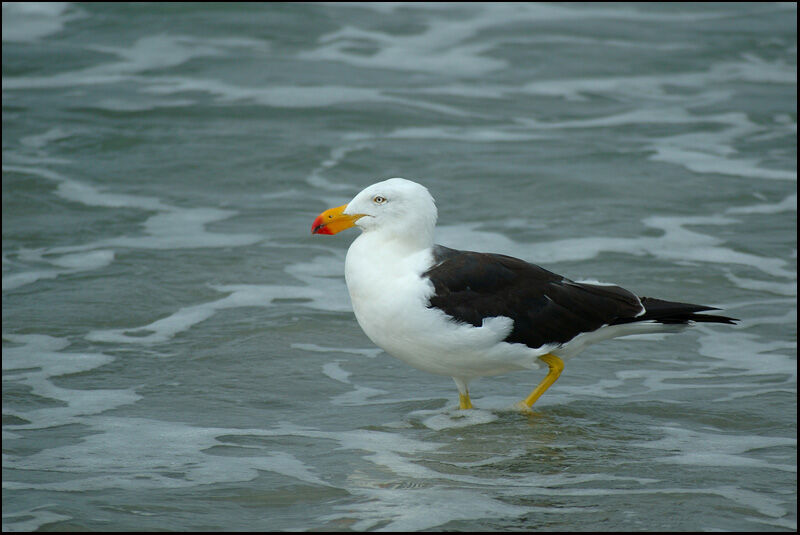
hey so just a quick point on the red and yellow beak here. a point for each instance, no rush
(333, 221)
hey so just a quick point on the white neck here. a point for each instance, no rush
(374, 260)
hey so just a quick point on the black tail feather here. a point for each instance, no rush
(671, 312)
(708, 318)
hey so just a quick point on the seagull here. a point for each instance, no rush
(467, 314)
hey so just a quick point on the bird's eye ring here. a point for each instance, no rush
(378, 199)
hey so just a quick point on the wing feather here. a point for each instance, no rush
(546, 308)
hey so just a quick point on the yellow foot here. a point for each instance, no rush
(464, 402)
(556, 366)
(522, 407)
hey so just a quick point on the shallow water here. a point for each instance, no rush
(180, 353)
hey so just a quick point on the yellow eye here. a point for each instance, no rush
(378, 199)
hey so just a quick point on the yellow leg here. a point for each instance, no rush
(556, 366)
(464, 401)
(463, 393)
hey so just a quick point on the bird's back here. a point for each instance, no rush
(546, 308)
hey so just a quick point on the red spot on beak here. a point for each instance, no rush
(318, 226)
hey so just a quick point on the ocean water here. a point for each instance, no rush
(179, 352)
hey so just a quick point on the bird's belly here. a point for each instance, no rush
(405, 327)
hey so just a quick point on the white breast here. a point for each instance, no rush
(390, 300)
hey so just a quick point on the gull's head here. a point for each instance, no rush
(396, 206)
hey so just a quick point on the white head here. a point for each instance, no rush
(397, 208)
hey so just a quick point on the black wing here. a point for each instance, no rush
(546, 308)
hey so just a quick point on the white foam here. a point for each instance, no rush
(434, 504)
(758, 502)
(16, 280)
(489, 461)
(118, 451)
(83, 193)
(337, 154)
(25, 22)
(651, 87)
(85, 261)
(386, 450)
(160, 330)
(468, 236)
(680, 243)
(535, 39)
(170, 227)
(368, 352)
(789, 317)
(121, 451)
(148, 53)
(291, 96)
(789, 204)
(420, 509)
(751, 353)
(39, 141)
(681, 378)
(455, 418)
(714, 152)
(715, 448)
(40, 358)
(241, 295)
(138, 103)
(472, 135)
(438, 49)
(677, 243)
(681, 151)
(700, 151)
(335, 372)
(359, 396)
(164, 51)
(32, 519)
(647, 86)
(771, 286)
(447, 44)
